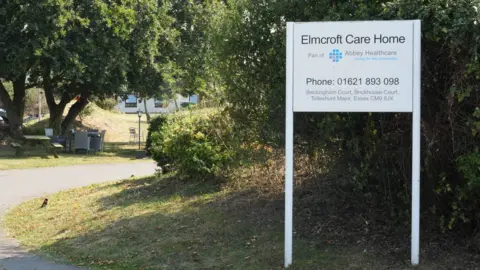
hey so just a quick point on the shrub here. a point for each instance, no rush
(198, 143)
(35, 129)
(87, 111)
(155, 124)
(463, 197)
(107, 104)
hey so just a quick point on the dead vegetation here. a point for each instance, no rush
(328, 213)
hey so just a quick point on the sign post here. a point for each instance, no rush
(361, 66)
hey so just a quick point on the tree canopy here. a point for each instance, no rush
(85, 48)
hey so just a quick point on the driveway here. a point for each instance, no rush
(20, 185)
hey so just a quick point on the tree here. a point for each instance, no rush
(191, 70)
(146, 51)
(26, 28)
(77, 48)
(180, 64)
(89, 58)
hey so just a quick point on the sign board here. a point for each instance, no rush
(361, 66)
(353, 66)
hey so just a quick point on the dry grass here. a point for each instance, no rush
(162, 223)
(115, 123)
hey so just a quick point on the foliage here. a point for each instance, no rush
(190, 68)
(31, 99)
(84, 48)
(248, 41)
(147, 47)
(155, 125)
(464, 196)
(27, 29)
(198, 143)
(107, 104)
(87, 111)
(187, 105)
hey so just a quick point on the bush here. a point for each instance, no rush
(155, 125)
(107, 104)
(36, 129)
(198, 143)
(87, 111)
(463, 197)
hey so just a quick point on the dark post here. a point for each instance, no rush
(139, 132)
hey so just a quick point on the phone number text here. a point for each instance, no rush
(354, 81)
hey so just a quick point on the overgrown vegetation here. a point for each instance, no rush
(372, 149)
(201, 143)
(154, 126)
(107, 104)
(370, 154)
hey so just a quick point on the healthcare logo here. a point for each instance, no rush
(335, 55)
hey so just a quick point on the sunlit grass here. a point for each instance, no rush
(164, 223)
(114, 153)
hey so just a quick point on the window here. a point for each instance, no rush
(131, 101)
(193, 99)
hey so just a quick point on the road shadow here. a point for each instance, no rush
(154, 189)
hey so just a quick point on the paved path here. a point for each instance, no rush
(20, 185)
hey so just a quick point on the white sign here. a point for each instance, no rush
(362, 66)
(353, 66)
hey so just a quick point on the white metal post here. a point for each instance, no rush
(289, 147)
(415, 249)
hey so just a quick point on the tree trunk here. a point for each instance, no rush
(55, 121)
(15, 107)
(146, 110)
(56, 110)
(4, 96)
(176, 104)
(74, 111)
(199, 101)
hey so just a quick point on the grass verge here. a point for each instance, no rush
(114, 153)
(165, 223)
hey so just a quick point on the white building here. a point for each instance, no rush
(132, 104)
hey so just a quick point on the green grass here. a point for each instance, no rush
(117, 149)
(114, 153)
(164, 223)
